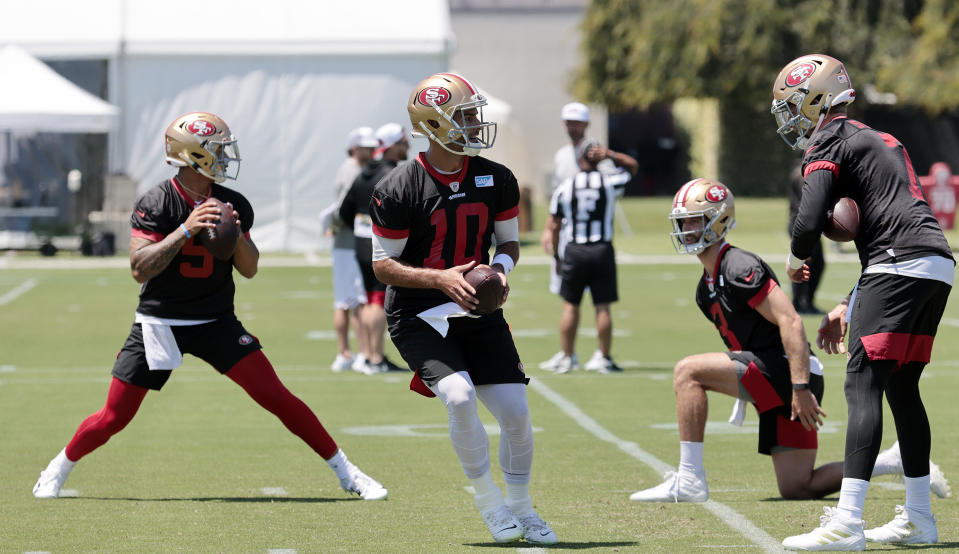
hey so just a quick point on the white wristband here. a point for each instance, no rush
(504, 260)
(794, 262)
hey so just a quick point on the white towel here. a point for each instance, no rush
(160, 345)
(438, 316)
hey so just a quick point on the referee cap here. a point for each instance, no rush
(575, 111)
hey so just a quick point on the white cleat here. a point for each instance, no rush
(595, 362)
(834, 533)
(359, 363)
(363, 485)
(567, 364)
(53, 477)
(341, 363)
(908, 527)
(536, 530)
(938, 483)
(552, 363)
(502, 524)
(677, 487)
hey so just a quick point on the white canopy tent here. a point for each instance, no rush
(35, 98)
(290, 77)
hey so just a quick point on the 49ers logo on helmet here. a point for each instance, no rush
(716, 194)
(434, 95)
(201, 128)
(800, 73)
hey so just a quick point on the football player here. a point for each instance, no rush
(893, 312)
(768, 363)
(434, 219)
(186, 305)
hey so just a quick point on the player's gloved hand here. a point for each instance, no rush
(454, 285)
(202, 217)
(832, 331)
(806, 410)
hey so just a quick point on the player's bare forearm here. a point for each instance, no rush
(246, 257)
(511, 249)
(793, 336)
(553, 226)
(148, 259)
(392, 271)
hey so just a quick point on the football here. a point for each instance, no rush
(221, 239)
(842, 221)
(489, 288)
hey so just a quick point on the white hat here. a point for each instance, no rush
(389, 134)
(575, 111)
(362, 137)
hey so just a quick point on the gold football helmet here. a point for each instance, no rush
(203, 142)
(436, 107)
(703, 212)
(803, 93)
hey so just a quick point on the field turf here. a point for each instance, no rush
(203, 469)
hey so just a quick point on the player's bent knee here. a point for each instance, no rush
(684, 374)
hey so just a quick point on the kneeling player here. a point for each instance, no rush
(769, 362)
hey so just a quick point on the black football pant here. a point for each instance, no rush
(864, 392)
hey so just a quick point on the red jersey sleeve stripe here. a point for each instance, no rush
(149, 235)
(762, 294)
(508, 214)
(390, 233)
(822, 164)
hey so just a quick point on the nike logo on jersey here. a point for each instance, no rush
(141, 213)
(750, 276)
(484, 181)
(378, 203)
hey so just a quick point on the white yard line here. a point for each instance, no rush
(731, 517)
(17, 292)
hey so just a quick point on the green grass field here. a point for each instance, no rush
(200, 467)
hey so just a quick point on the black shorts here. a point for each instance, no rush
(589, 265)
(482, 346)
(894, 318)
(769, 384)
(221, 343)
(364, 257)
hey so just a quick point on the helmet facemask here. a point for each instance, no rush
(226, 159)
(794, 127)
(459, 133)
(710, 219)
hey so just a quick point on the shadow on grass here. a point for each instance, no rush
(781, 499)
(251, 499)
(559, 545)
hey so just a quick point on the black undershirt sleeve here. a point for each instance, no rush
(817, 198)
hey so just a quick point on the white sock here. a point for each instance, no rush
(691, 457)
(340, 464)
(852, 497)
(62, 461)
(518, 499)
(488, 495)
(917, 495)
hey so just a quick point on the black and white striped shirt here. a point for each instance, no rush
(586, 203)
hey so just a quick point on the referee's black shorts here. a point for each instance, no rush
(589, 265)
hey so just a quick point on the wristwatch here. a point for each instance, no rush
(800, 386)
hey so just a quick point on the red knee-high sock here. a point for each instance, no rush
(123, 401)
(257, 377)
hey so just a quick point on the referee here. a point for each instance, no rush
(582, 208)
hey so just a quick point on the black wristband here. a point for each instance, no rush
(800, 386)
